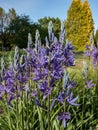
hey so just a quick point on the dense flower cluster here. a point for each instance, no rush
(42, 66)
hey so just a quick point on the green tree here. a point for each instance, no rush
(5, 20)
(19, 29)
(79, 24)
(86, 23)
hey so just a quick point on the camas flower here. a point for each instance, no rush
(89, 84)
(44, 88)
(61, 97)
(72, 101)
(64, 117)
(95, 56)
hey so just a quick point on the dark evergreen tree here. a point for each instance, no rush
(19, 29)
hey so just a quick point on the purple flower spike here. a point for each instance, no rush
(50, 31)
(64, 117)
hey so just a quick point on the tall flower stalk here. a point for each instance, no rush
(93, 54)
(95, 62)
(62, 33)
(16, 65)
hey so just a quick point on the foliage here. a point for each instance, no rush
(19, 29)
(56, 22)
(96, 38)
(5, 20)
(14, 28)
(79, 24)
(38, 121)
(30, 82)
(39, 86)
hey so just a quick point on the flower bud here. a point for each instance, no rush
(51, 31)
(37, 40)
(66, 79)
(2, 67)
(47, 42)
(62, 33)
(29, 41)
(16, 58)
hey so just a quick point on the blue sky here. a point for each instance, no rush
(37, 9)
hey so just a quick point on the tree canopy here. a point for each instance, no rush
(19, 29)
(96, 38)
(5, 20)
(79, 24)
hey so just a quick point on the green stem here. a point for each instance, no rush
(8, 112)
(17, 109)
(64, 106)
(28, 102)
(83, 108)
(22, 113)
(27, 114)
(96, 92)
(49, 123)
(9, 120)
